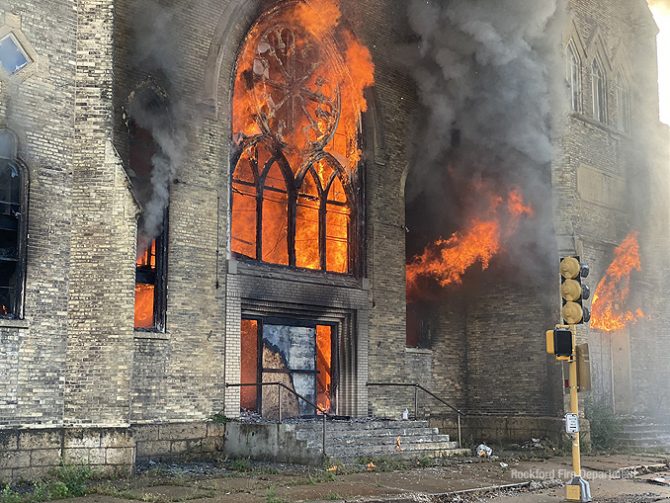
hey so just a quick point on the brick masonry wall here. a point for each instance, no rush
(38, 104)
(609, 182)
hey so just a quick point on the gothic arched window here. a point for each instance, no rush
(13, 224)
(599, 89)
(573, 75)
(296, 131)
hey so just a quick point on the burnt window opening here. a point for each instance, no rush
(295, 182)
(151, 265)
(151, 284)
(300, 354)
(13, 224)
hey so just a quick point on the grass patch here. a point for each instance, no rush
(271, 496)
(240, 465)
(67, 481)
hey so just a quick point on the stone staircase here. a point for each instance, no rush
(351, 440)
(644, 433)
(347, 440)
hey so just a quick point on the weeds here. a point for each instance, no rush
(271, 496)
(8, 495)
(606, 427)
(240, 465)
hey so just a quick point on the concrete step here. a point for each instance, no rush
(381, 432)
(359, 425)
(406, 451)
(386, 441)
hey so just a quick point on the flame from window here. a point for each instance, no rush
(324, 363)
(297, 101)
(445, 261)
(145, 293)
(608, 308)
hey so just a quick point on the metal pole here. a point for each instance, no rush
(574, 405)
(280, 411)
(416, 402)
(323, 437)
(460, 437)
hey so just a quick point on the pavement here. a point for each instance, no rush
(614, 479)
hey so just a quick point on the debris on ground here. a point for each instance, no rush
(659, 481)
(484, 451)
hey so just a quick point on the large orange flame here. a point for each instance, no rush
(301, 78)
(608, 309)
(446, 260)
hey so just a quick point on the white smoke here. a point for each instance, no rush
(492, 71)
(157, 54)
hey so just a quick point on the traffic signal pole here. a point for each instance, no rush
(578, 489)
(574, 405)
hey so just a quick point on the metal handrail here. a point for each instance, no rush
(281, 385)
(418, 387)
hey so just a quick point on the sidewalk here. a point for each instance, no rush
(420, 484)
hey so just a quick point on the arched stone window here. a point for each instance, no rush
(624, 110)
(296, 131)
(599, 91)
(574, 77)
(13, 225)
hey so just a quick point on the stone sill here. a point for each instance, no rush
(151, 336)
(7, 323)
(419, 351)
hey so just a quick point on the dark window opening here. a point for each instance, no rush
(13, 213)
(419, 327)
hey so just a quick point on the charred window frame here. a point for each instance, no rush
(151, 274)
(337, 194)
(13, 227)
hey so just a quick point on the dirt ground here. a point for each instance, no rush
(465, 480)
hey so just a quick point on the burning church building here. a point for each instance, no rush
(319, 208)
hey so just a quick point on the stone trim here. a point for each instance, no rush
(31, 453)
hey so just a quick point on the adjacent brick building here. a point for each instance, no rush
(82, 381)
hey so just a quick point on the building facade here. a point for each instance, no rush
(281, 254)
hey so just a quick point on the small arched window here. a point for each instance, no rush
(296, 130)
(573, 76)
(13, 224)
(599, 90)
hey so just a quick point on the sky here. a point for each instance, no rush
(661, 10)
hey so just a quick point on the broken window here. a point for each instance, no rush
(12, 55)
(296, 129)
(151, 264)
(13, 212)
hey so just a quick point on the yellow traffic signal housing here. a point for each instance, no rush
(560, 343)
(573, 292)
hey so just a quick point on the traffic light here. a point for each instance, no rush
(560, 342)
(573, 292)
